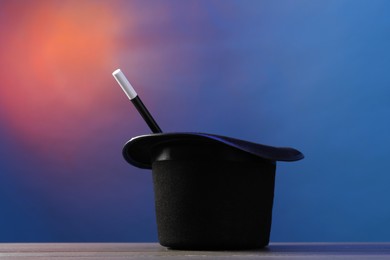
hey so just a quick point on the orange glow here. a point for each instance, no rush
(56, 62)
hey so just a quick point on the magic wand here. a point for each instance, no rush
(136, 100)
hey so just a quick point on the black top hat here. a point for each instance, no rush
(211, 192)
(139, 150)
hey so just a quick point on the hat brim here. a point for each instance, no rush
(138, 150)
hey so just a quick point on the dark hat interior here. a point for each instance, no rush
(139, 150)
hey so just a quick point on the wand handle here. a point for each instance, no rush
(146, 115)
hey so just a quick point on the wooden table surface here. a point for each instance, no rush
(155, 251)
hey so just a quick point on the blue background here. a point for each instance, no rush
(313, 75)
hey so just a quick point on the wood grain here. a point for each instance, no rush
(155, 251)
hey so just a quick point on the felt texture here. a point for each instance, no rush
(212, 197)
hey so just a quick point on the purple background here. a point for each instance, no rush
(307, 74)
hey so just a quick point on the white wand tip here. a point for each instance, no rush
(124, 83)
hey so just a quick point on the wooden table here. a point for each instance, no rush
(155, 251)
